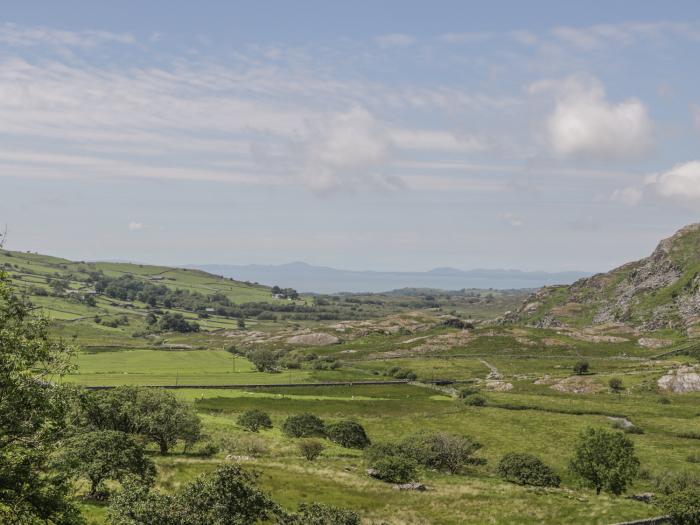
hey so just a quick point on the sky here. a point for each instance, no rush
(392, 135)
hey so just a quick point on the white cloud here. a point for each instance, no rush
(394, 40)
(436, 140)
(680, 183)
(345, 150)
(597, 36)
(135, 226)
(15, 35)
(586, 125)
(630, 196)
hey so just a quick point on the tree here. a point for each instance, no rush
(304, 425)
(106, 454)
(32, 416)
(164, 419)
(227, 496)
(310, 448)
(615, 384)
(581, 368)
(241, 324)
(254, 420)
(526, 469)
(605, 460)
(348, 434)
(264, 360)
(176, 322)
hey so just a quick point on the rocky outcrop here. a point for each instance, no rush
(314, 339)
(660, 291)
(680, 381)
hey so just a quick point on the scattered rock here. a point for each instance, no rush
(645, 497)
(314, 339)
(621, 422)
(372, 472)
(231, 457)
(577, 385)
(682, 380)
(648, 342)
(411, 486)
(498, 386)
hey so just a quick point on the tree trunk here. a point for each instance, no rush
(163, 448)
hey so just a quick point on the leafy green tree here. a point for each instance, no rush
(304, 425)
(264, 360)
(605, 460)
(348, 434)
(254, 420)
(227, 496)
(526, 469)
(164, 419)
(106, 454)
(32, 417)
(581, 368)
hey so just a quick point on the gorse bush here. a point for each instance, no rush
(348, 434)
(526, 469)
(304, 425)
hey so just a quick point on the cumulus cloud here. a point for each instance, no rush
(586, 125)
(135, 226)
(345, 150)
(680, 183)
(630, 196)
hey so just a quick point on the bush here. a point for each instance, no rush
(395, 469)
(377, 451)
(467, 392)
(581, 368)
(526, 469)
(348, 434)
(304, 425)
(615, 384)
(251, 445)
(441, 451)
(683, 507)
(318, 514)
(254, 420)
(476, 401)
(207, 449)
(310, 448)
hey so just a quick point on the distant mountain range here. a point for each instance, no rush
(321, 279)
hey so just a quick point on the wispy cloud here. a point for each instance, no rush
(15, 35)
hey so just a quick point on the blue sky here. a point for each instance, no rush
(363, 135)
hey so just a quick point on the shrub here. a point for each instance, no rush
(615, 384)
(664, 401)
(348, 434)
(441, 450)
(251, 445)
(318, 514)
(254, 420)
(395, 469)
(310, 448)
(683, 507)
(476, 401)
(377, 451)
(467, 392)
(526, 469)
(304, 425)
(207, 449)
(581, 368)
